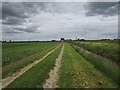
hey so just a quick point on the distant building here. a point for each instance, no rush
(62, 39)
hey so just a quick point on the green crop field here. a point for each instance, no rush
(79, 64)
(38, 50)
(35, 77)
(15, 51)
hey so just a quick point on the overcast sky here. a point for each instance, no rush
(53, 20)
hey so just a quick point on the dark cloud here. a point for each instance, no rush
(32, 29)
(18, 30)
(0, 11)
(16, 12)
(51, 19)
(13, 21)
(102, 8)
(13, 13)
(13, 9)
(21, 9)
(10, 31)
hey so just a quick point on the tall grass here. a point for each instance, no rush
(107, 68)
(116, 41)
(109, 51)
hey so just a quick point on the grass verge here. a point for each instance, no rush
(110, 51)
(36, 76)
(108, 68)
(77, 72)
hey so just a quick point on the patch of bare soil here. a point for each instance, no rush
(51, 82)
(6, 81)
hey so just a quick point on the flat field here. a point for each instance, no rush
(15, 51)
(22, 54)
(36, 76)
(87, 64)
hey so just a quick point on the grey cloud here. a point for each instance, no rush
(56, 20)
(56, 7)
(28, 29)
(19, 30)
(102, 8)
(109, 34)
(13, 13)
(13, 9)
(13, 21)
(19, 11)
(25, 9)
(0, 11)
(10, 31)
(112, 35)
(63, 7)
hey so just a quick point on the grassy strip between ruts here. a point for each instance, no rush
(36, 76)
(109, 69)
(77, 72)
(13, 67)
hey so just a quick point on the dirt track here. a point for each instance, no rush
(9, 79)
(51, 82)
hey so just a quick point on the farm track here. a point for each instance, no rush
(51, 82)
(77, 72)
(6, 81)
(17, 65)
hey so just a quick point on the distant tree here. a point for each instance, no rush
(78, 39)
(53, 40)
(104, 39)
(82, 39)
(4, 41)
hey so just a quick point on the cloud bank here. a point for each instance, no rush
(53, 20)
